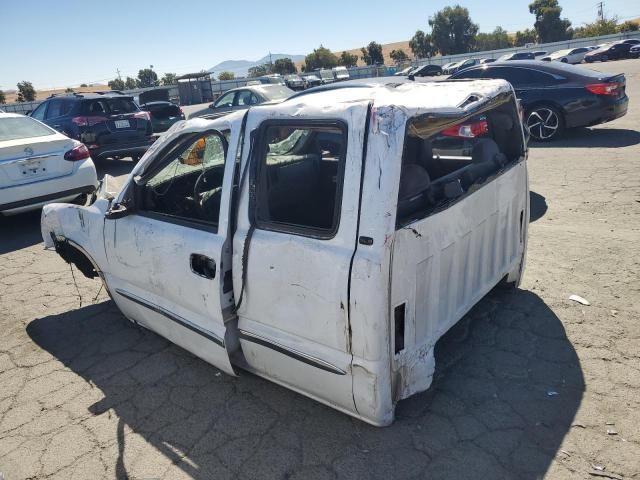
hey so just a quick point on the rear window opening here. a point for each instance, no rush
(109, 106)
(441, 165)
(163, 110)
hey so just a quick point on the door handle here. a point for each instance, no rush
(202, 265)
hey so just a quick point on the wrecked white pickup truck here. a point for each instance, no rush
(325, 243)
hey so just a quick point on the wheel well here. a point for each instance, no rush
(72, 254)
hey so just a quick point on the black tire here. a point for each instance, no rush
(564, 60)
(544, 123)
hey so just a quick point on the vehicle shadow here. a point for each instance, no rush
(593, 137)
(537, 206)
(507, 386)
(115, 168)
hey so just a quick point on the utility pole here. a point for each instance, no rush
(600, 10)
(118, 72)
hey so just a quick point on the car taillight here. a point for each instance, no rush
(609, 88)
(87, 121)
(77, 153)
(467, 130)
(142, 115)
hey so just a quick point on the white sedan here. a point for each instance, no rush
(570, 55)
(39, 165)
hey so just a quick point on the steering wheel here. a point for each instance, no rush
(198, 188)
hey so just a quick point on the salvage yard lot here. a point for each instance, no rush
(528, 385)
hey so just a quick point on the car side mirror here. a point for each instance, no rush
(119, 210)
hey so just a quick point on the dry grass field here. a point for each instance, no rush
(12, 97)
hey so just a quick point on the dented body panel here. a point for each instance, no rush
(349, 317)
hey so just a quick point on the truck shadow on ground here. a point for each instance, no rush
(19, 231)
(507, 386)
(593, 138)
(537, 206)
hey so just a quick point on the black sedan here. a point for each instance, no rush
(613, 51)
(426, 71)
(163, 114)
(556, 96)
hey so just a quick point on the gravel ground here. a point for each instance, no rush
(528, 385)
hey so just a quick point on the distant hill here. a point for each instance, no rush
(240, 67)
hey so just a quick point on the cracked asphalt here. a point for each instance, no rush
(528, 385)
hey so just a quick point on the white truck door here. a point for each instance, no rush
(293, 247)
(169, 262)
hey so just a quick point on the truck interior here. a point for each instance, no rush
(444, 159)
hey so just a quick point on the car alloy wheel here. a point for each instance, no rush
(543, 123)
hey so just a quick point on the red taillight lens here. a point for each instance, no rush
(142, 115)
(77, 153)
(87, 121)
(467, 130)
(609, 88)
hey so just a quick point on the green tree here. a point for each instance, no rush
(320, 58)
(259, 71)
(599, 27)
(130, 83)
(116, 84)
(3, 98)
(372, 54)
(169, 79)
(83, 85)
(398, 55)
(628, 26)
(492, 41)
(284, 66)
(68, 90)
(147, 78)
(421, 45)
(523, 37)
(226, 76)
(348, 59)
(452, 30)
(549, 26)
(26, 92)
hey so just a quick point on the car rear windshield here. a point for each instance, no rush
(13, 128)
(277, 92)
(163, 110)
(109, 106)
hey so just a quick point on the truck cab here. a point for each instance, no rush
(324, 243)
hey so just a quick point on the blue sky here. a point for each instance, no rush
(70, 42)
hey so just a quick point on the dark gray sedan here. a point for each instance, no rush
(242, 98)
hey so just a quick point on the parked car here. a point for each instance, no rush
(340, 73)
(470, 62)
(39, 165)
(405, 71)
(110, 124)
(635, 51)
(326, 76)
(539, 53)
(224, 265)
(426, 71)
(294, 82)
(243, 98)
(516, 56)
(556, 96)
(487, 60)
(311, 81)
(447, 66)
(163, 114)
(569, 55)
(631, 41)
(613, 51)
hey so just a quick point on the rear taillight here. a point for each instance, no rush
(142, 115)
(87, 121)
(608, 88)
(467, 130)
(77, 153)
